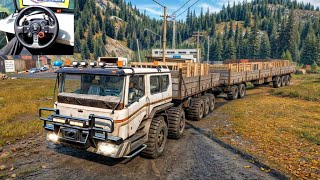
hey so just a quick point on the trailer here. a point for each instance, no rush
(234, 76)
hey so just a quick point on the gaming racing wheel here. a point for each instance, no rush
(36, 33)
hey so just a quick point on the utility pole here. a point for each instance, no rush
(164, 30)
(198, 35)
(174, 32)
(208, 50)
(164, 33)
(138, 51)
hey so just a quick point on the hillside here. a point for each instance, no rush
(260, 29)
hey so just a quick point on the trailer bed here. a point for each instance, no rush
(229, 76)
(184, 87)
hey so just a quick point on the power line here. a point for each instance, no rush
(187, 8)
(180, 8)
(158, 3)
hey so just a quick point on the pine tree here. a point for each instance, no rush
(232, 50)
(265, 47)
(77, 43)
(218, 50)
(85, 53)
(308, 55)
(274, 44)
(254, 43)
(90, 41)
(286, 55)
(97, 51)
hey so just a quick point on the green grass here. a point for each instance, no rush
(20, 100)
(282, 130)
(307, 88)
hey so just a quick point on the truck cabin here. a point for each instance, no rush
(101, 88)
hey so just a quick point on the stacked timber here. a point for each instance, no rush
(234, 73)
(188, 69)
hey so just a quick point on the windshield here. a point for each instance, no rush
(59, 4)
(100, 85)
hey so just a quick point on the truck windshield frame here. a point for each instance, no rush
(92, 84)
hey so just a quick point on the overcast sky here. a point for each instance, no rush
(154, 10)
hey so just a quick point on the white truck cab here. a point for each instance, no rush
(114, 111)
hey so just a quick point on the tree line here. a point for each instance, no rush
(259, 29)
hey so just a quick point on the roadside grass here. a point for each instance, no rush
(282, 132)
(306, 87)
(20, 100)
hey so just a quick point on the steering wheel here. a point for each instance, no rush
(46, 28)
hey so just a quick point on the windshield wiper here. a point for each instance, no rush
(116, 106)
(66, 98)
(107, 104)
(78, 101)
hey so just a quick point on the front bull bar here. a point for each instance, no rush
(89, 125)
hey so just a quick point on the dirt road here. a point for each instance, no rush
(194, 156)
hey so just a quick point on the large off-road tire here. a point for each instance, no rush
(176, 122)
(234, 94)
(242, 90)
(283, 80)
(212, 101)
(288, 78)
(195, 111)
(206, 109)
(277, 82)
(157, 138)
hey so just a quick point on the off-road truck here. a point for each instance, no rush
(115, 111)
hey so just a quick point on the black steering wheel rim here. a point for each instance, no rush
(54, 30)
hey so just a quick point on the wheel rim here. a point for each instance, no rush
(279, 81)
(161, 138)
(201, 111)
(236, 93)
(212, 104)
(182, 123)
(207, 108)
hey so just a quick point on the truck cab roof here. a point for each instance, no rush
(116, 71)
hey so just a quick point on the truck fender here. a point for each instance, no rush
(159, 109)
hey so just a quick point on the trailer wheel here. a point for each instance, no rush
(196, 109)
(234, 94)
(287, 80)
(206, 109)
(157, 138)
(242, 90)
(212, 101)
(176, 122)
(277, 82)
(283, 80)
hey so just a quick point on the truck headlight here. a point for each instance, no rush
(52, 137)
(62, 121)
(107, 149)
(75, 123)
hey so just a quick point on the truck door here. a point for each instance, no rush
(137, 102)
(154, 91)
(166, 87)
